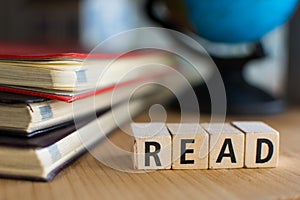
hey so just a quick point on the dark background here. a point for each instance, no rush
(58, 21)
(293, 80)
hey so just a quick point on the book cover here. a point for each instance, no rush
(31, 115)
(48, 155)
(65, 73)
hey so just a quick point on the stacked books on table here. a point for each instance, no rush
(41, 94)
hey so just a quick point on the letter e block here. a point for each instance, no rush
(152, 146)
(226, 145)
(262, 144)
(190, 146)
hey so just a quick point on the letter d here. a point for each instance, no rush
(259, 158)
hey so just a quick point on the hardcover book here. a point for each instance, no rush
(70, 76)
(25, 115)
(42, 157)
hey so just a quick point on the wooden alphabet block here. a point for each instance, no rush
(189, 146)
(262, 144)
(152, 146)
(226, 145)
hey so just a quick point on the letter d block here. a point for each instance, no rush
(262, 144)
(190, 146)
(152, 146)
(226, 146)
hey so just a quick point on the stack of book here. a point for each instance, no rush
(41, 94)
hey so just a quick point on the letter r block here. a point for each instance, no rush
(226, 145)
(190, 146)
(152, 146)
(262, 144)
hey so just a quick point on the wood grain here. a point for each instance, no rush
(257, 133)
(225, 139)
(89, 179)
(197, 146)
(152, 146)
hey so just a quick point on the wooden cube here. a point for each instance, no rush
(189, 146)
(152, 146)
(262, 144)
(226, 145)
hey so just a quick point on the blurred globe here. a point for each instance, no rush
(237, 21)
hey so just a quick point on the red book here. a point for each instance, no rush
(60, 74)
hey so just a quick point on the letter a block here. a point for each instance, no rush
(262, 144)
(152, 146)
(226, 146)
(190, 146)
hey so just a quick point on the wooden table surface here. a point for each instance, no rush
(87, 178)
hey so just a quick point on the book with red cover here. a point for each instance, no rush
(71, 97)
(39, 56)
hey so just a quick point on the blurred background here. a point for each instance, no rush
(88, 22)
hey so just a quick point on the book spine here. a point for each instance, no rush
(69, 81)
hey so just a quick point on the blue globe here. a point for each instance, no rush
(237, 21)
